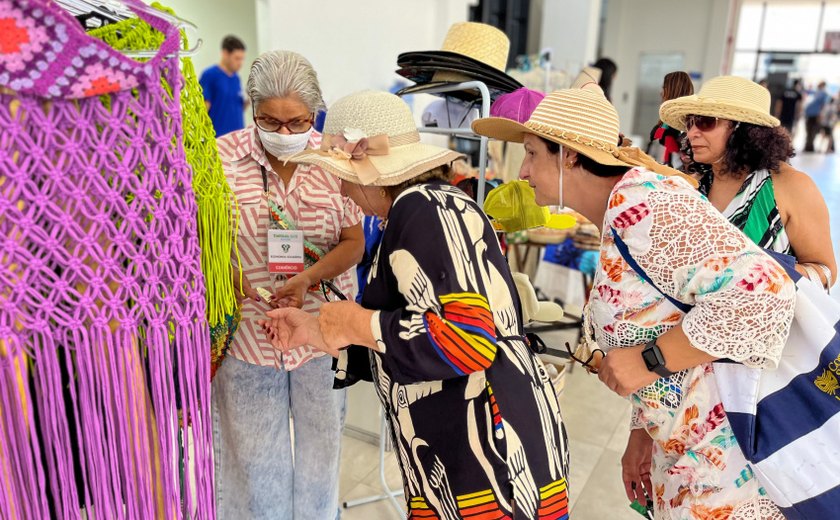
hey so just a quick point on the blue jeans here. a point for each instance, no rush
(255, 473)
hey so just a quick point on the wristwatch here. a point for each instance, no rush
(654, 360)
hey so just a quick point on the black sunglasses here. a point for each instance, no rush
(703, 123)
(588, 363)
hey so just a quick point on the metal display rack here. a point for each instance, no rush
(483, 110)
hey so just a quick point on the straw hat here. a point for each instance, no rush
(370, 138)
(481, 42)
(470, 51)
(586, 77)
(726, 97)
(580, 119)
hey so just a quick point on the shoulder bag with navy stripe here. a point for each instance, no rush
(787, 421)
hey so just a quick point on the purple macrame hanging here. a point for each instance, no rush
(104, 347)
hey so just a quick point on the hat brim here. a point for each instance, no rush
(462, 95)
(401, 164)
(427, 73)
(513, 131)
(414, 57)
(674, 112)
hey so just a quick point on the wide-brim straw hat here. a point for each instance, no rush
(580, 119)
(726, 97)
(370, 138)
(470, 51)
(586, 77)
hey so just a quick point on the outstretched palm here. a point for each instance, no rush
(291, 328)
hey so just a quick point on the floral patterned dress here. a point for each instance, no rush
(743, 305)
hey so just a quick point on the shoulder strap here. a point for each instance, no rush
(625, 253)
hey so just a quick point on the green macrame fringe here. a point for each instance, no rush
(217, 223)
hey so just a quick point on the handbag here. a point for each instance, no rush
(787, 420)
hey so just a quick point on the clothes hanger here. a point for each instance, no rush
(112, 11)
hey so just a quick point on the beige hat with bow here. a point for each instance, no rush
(726, 97)
(370, 138)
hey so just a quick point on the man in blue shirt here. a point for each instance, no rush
(812, 115)
(223, 90)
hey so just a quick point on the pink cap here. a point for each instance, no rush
(517, 105)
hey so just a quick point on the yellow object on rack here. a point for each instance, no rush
(214, 198)
(513, 206)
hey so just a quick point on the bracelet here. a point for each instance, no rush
(827, 272)
(812, 273)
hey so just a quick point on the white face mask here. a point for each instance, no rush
(283, 145)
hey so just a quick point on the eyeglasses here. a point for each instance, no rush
(295, 126)
(588, 363)
(703, 123)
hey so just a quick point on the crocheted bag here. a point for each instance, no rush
(101, 291)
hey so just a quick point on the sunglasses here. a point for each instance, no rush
(703, 123)
(588, 362)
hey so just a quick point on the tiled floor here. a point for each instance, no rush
(596, 419)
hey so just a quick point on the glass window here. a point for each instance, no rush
(831, 22)
(743, 64)
(749, 26)
(791, 26)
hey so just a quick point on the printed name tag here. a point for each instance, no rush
(285, 251)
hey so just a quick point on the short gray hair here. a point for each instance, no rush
(280, 74)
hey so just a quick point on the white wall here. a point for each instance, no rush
(697, 29)
(570, 28)
(354, 45)
(215, 20)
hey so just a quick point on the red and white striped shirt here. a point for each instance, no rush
(313, 201)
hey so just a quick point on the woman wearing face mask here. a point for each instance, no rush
(682, 453)
(257, 388)
(729, 128)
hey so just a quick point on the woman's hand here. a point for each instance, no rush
(624, 371)
(290, 328)
(635, 466)
(338, 325)
(245, 290)
(293, 292)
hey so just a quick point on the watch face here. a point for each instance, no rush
(650, 358)
(653, 357)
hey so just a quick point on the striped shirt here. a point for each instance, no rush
(313, 201)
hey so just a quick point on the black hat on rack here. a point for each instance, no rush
(471, 52)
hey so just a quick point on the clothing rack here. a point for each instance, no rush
(483, 110)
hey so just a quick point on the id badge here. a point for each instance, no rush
(285, 251)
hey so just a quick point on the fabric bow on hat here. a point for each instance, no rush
(354, 147)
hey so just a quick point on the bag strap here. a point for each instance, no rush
(625, 253)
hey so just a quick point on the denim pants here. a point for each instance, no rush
(255, 474)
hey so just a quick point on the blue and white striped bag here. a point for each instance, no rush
(787, 421)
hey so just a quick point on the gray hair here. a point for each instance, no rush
(280, 74)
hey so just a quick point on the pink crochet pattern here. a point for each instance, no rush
(104, 346)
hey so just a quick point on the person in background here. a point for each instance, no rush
(788, 107)
(664, 143)
(223, 89)
(608, 71)
(828, 119)
(260, 471)
(812, 115)
(730, 128)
